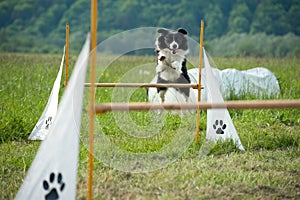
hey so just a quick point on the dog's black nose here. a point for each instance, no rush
(174, 46)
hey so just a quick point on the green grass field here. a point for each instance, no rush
(268, 169)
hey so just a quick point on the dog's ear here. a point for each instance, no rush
(181, 30)
(163, 31)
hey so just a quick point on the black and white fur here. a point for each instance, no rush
(172, 48)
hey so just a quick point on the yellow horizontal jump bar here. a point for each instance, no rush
(175, 85)
(242, 104)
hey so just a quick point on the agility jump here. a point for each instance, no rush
(106, 107)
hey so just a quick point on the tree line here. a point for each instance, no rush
(39, 26)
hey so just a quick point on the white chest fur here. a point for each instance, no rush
(169, 65)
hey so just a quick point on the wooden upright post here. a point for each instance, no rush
(199, 79)
(92, 97)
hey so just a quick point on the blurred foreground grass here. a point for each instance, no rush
(268, 169)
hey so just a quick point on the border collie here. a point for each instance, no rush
(172, 48)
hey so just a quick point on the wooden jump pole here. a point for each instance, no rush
(241, 104)
(92, 97)
(144, 85)
(199, 79)
(67, 54)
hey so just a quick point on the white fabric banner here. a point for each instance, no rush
(41, 128)
(52, 174)
(219, 123)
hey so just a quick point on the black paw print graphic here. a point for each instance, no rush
(48, 122)
(53, 186)
(219, 127)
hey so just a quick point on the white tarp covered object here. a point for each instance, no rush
(52, 175)
(41, 128)
(256, 82)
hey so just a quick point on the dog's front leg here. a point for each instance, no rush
(177, 66)
(162, 95)
(162, 99)
(161, 64)
(161, 56)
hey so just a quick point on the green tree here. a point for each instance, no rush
(215, 23)
(49, 20)
(43, 22)
(129, 14)
(239, 18)
(270, 18)
(6, 8)
(294, 17)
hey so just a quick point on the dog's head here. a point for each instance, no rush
(173, 41)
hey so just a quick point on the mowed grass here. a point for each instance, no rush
(268, 169)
